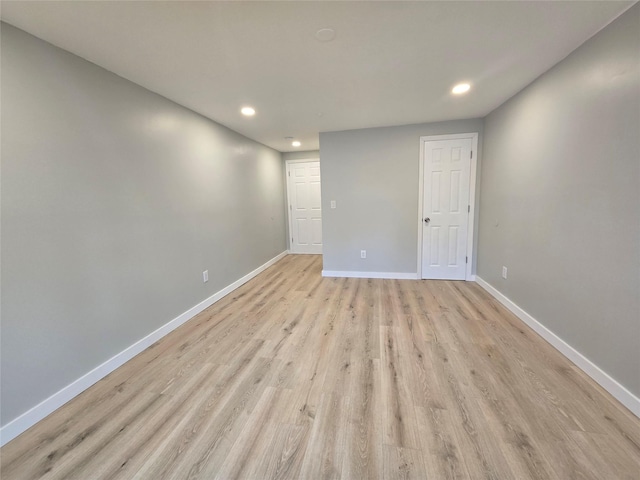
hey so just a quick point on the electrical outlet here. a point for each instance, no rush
(504, 272)
(205, 276)
(333, 204)
(363, 254)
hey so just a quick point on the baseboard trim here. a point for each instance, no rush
(623, 395)
(389, 275)
(20, 424)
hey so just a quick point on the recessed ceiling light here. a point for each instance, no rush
(325, 34)
(296, 143)
(248, 111)
(460, 88)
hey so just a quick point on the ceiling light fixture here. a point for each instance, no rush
(460, 88)
(248, 111)
(296, 143)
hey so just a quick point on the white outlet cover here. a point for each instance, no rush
(504, 272)
(333, 204)
(205, 276)
(363, 254)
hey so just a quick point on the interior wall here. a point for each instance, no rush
(114, 202)
(306, 155)
(560, 200)
(373, 175)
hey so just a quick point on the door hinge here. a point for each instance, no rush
(466, 259)
(289, 172)
(290, 207)
(291, 239)
(468, 208)
(471, 153)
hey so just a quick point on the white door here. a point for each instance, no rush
(305, 212)
(445, 208)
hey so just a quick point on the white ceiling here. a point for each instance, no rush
(391, 63)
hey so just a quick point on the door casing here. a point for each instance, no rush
(287, 169)
(472, 196)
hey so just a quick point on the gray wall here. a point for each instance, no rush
(309, 154)
(372, 174)
(114, 200)
(560, 199)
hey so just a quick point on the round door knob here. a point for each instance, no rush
(427, 220)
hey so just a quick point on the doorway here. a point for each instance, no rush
(447, 206)
(305, 208)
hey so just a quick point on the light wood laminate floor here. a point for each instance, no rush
(303, 377)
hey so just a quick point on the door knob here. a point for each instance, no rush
(427, 220)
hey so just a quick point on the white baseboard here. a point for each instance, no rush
(389, 275)
(18, 425)
(623, 395)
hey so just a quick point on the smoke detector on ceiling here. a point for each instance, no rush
(325, 34)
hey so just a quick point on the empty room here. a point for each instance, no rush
(308, 240)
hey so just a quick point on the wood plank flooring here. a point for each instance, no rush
(295, 376)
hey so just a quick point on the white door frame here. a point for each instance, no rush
(472, 195)
(287, 169)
